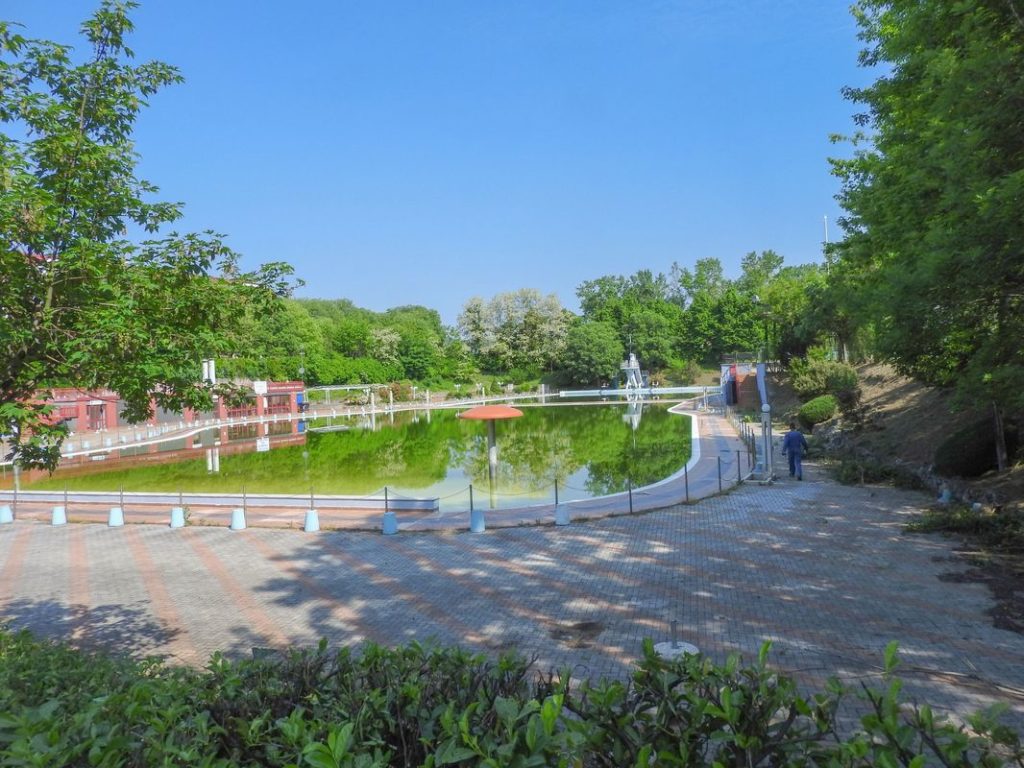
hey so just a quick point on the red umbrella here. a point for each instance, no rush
(489, 413)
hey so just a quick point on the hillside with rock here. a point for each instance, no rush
(902, 426)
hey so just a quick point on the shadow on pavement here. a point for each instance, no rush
(119, 629)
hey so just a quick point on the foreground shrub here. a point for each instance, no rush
(423, 706)
(971, 451)
(818, 410)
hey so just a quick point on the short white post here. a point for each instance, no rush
(561, 511)
(237, 519)
(477, 524)
(312, 523)
(59, 516)
(6, 516)
(674, 649)
(177, 517)
(116, 517)
(389, 527)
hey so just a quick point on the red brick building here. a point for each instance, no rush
(99, 410)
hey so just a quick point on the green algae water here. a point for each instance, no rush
(590, 450)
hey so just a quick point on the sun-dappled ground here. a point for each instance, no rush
(823, 571)
(905, 423)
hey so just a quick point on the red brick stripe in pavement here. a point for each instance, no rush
(346, 616)
(471, 583)
(78, 578)
(160, 600)
(259, 620)
(216, 516)
(511, 605)
(395, 587)
(557, 585)
(11, 570)
(734, 555)
(655, 624)
(819, 637)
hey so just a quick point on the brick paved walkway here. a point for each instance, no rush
(823, 571)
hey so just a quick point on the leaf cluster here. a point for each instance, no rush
(82, 305)
(932, 262)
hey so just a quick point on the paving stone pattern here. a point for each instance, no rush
(823, 571)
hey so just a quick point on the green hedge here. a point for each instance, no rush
(419, 706)
(818, 410)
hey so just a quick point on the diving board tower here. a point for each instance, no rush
(634, 377)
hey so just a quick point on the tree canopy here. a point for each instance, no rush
(934, 193)
(929, 274)
(81, 304)
(516, 330)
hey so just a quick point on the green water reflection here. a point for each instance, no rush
(591, 450)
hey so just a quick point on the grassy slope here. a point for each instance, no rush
(906, 421)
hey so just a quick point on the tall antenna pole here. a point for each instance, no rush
(826, 230)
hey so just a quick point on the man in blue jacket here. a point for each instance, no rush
(794, 444)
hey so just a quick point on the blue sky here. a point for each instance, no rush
(426, 152)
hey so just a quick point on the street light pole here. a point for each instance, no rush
(765, 337)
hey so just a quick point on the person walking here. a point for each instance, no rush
(794, 444)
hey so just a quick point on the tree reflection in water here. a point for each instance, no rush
(587, 446)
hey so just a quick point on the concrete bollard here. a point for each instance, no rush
(390, 524)
(116, 517)
(476, 521)
(177, 517)
(237, 519)
(674, 649)
(6, 516)
(59, 516)
(312, 523)
(561, 515)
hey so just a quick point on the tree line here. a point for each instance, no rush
(674, 323)
(928, 275)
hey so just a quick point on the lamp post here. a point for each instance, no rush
(765, 316)
(762, 312)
